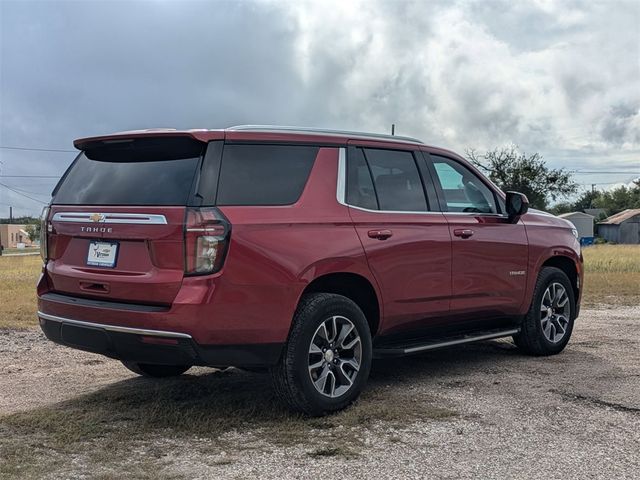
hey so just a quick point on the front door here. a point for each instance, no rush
(490, 254)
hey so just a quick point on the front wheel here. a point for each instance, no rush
(157, 371)
(327, 359)
(547, 327)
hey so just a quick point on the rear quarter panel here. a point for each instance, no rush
(276, 251)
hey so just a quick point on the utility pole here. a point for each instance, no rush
(10, 215)
(393, 129)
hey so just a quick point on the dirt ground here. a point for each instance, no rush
(479, 411)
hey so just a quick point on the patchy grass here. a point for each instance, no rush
(612, 274)
(9, 251)
(18, 277)
(230, 411)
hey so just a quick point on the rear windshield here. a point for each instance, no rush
(131, 173)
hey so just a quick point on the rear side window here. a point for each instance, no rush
(360, 190)
(264, 174)
(396, 182)
(132, 172)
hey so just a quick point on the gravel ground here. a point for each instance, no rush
(575, 415)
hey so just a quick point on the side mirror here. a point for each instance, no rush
(517, 205)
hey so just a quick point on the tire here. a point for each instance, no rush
(546, 331)
(156, 371)
(314, 381)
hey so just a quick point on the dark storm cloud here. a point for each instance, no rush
(72, 69)
(553, 77)
(621, 123)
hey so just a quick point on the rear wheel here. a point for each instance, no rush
(157, 371)
(547, 327)
(327, 359)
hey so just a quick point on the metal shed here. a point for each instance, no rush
(623, 227)
(582, 221)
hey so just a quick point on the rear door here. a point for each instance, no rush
(407, 245)
(116, 220)
(490, 254)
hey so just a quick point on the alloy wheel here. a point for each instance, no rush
(335, 356)
(555, 311)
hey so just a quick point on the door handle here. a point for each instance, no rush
(463, 232)
(380, 234)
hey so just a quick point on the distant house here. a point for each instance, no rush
(583, 223)
(623, 227)
(598, 213)
(11, 235)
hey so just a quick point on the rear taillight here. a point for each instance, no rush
(206, 240)
(45, 228)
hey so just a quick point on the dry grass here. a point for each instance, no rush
(18, 278)
(612, 275)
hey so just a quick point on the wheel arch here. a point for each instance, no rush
(568, 266)
(354, 286)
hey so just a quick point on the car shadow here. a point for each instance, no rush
(212, 403)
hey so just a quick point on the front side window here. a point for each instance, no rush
(462, 189)
(385, 180)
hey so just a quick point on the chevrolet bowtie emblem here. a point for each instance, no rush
(97, 217)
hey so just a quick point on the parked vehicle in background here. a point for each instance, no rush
(303, 252)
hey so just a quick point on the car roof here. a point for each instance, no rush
(273, 133)
(321, 132)
(258, 132)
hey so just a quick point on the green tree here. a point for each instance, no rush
(511, 169)
(33, 230)
(618, 199)
(587, 199)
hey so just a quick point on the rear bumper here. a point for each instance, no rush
(153, 346)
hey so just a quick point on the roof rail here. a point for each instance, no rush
(320, 131)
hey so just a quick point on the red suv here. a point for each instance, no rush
(306, 253)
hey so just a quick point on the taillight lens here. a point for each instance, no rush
(45, 228)
(206, 240)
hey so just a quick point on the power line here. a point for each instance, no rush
(39, 149)
(24, 195)
(585, 172)
(30, 176)
(21, 190)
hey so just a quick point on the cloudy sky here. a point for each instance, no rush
(561, 78)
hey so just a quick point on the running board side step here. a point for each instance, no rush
(433, 344)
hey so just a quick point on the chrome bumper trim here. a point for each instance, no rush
(114, 328)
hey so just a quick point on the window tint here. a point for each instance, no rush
(396, 179)
(264, 174)
(128, 182)
(463, 190)
(360, 191)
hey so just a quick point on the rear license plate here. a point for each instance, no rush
(102, 254)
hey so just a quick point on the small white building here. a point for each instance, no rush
(582, 221)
